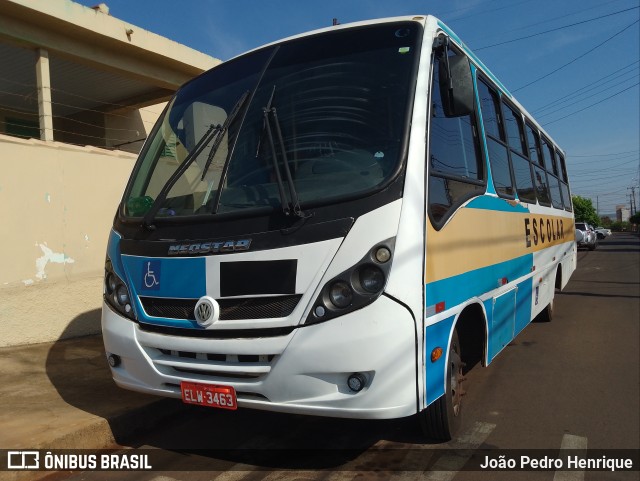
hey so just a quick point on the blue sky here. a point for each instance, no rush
(597, 61)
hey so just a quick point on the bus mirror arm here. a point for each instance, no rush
(456, 86)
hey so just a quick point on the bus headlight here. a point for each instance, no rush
(110, 283)
(371, 279)
(122, 296)
(116, 293)
(341, 294)
(356, 287)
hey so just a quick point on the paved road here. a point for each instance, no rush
(571, 383)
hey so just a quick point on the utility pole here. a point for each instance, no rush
(633, 199)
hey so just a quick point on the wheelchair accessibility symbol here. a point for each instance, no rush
(151, 275)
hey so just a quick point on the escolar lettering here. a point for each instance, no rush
(537, 231)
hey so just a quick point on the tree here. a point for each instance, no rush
(584, 211)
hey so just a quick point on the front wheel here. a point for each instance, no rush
(441, 419)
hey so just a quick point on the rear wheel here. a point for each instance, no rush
(441, 420)
(547, 313)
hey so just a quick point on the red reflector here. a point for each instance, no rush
(504, 281)
(439, 307)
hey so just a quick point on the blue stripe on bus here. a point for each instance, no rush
(458, 289)
(487, 202)
(437, 335)
(183, 278)
(162, 277)
(501, 332)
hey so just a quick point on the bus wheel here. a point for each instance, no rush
(441, 420)
(547, 313)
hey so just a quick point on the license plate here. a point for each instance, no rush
(210, 395)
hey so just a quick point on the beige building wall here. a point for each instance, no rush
(57, 203)
(88, 78)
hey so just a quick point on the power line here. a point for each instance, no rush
(603, 155)
(610, 166)
(585, 88)
(551, 112)
(483, 12)
(556, 29)
(547, 21)
(592, 105)
(578, 159)
(578, 57)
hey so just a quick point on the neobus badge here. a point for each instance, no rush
(210, 247)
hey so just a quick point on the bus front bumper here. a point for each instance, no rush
(304, 372)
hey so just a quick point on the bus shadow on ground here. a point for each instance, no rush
(205, 439)
(78, 370)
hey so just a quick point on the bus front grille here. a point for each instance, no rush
(230, 309)
(211, 366)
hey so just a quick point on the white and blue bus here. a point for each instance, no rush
(333, 225)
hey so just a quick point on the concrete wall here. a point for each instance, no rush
(57, 203)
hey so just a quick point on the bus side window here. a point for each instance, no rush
(550, 160)
(564, 186)
(496, 141)
(539, 174)
(521, 167)
(534, 146)
(456, 170)
(563, 166)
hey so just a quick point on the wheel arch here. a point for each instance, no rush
(472, 327)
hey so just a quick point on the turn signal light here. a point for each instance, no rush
(436, 354)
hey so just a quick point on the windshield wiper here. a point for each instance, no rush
(214, 132)
(270, 112)
(225, 127)
(162, 195)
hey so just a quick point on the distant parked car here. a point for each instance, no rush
(603, 233)
(586, 236)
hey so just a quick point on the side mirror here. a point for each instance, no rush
(456, 86)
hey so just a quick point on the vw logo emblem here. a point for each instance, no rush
(207, 311)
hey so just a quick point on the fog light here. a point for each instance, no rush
(356, 382)
(113, 360)
(319, 311)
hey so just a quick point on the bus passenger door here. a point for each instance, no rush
(502, 321)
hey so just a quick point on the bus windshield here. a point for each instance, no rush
(306, 121)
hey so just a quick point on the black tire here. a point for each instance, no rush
(547, 314)
(441, 420)
(593, 246)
